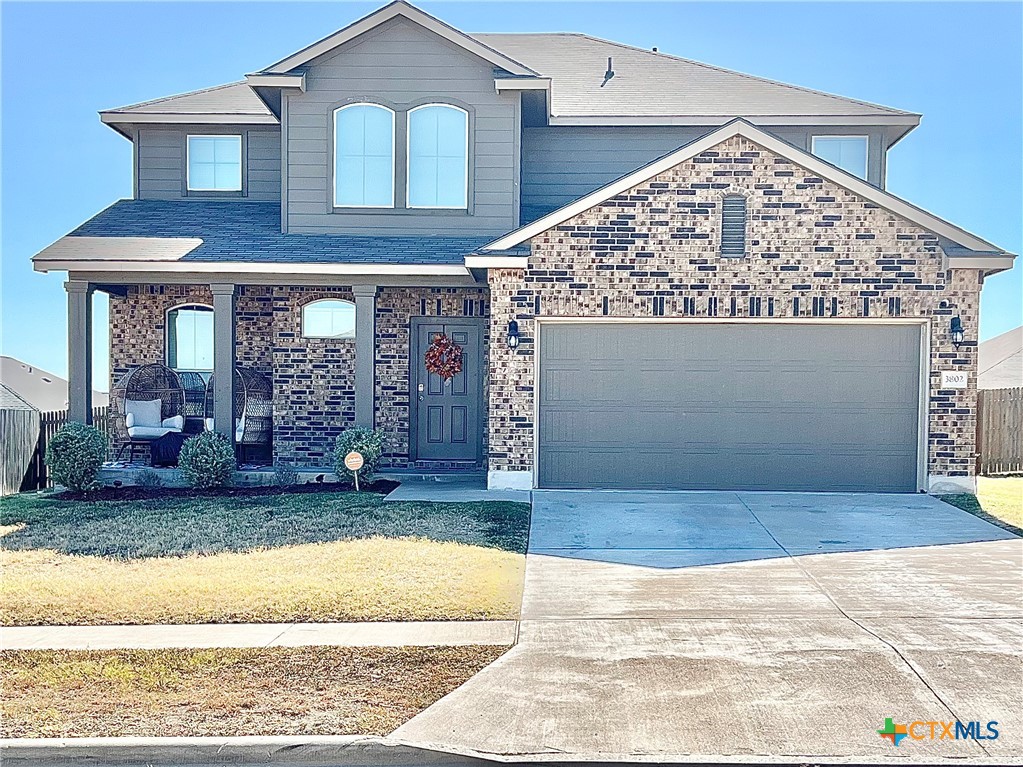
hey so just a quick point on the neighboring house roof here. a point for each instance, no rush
(649, 85)
(234, 102)
(405, 10)
(9, 399)
(42, 390)
(1000, 361)
(973, 251)
(202, 235)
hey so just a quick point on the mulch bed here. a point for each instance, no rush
(135, 493)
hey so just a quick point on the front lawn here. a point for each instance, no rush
(272, 691)
(998, 499)
(331, 556)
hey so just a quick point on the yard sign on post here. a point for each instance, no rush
(353, 462)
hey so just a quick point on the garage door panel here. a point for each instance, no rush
(826, 407)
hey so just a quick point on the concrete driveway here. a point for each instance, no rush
(748, 625)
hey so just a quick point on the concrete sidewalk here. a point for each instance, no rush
(378, 634)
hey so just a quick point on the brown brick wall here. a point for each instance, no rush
(313, 378)
(814, 249)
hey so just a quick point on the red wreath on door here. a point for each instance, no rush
(444, 357)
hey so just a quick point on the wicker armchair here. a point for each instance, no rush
(253, 407)
(148, 403)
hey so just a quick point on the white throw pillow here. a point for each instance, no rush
(176, 422)
(145, 412)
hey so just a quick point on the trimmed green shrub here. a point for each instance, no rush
(207, 460)
(369, 442)
(284, 475)
(74, 455)
(149, 479)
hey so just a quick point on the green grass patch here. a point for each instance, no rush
(999, 500)
(176, 526)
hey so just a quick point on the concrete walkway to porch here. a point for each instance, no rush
(449, 488)
(371, 634)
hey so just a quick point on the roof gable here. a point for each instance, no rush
(740, 127)
(416, 16)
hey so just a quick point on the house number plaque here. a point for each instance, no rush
(953, 379)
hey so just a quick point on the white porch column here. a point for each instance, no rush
(223, 359)
(79, 345)
(365, 354)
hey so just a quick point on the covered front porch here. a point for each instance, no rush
(337, 352)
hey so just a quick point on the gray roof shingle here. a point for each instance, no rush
(646, 83)
(249, 232)
(233, 99)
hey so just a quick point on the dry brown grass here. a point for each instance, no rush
(274, 691)
(355, 580)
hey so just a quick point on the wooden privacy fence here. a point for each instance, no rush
(49, 424)
(1000, 431)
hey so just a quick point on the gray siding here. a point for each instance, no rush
(160, 164)
(401, 65)
(561, 164)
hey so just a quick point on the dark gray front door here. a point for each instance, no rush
(783, 406)
(446, 415)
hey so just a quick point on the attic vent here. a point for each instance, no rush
(733, 226)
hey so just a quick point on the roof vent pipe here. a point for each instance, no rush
(609, 73)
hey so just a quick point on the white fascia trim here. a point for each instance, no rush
(414, 15)
(740, 127)
(223, 118)
(260, 79)
(620, 120)
(496, 262)
(522, 83)
(990, 264)
(235, 267)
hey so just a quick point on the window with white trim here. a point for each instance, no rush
(438, 157)
(847, 152)
(363, 156)
(190, 338)
(214, 163)
(328, 318)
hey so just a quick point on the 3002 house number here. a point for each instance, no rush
(952, 379)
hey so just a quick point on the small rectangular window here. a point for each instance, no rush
(733, 226)
(215, 163)
(847, 152)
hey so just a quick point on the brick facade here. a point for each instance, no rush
(313, 378)
(814, 249)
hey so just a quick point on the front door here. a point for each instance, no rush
(446, 415)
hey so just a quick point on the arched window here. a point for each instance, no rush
(438, 157)
(328, 318)
(364, 156)
(733, 226)
(190, 337)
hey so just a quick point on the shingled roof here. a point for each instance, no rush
(219, 231)
(647, 87)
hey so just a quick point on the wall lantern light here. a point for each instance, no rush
(513, 334)
(956, 332)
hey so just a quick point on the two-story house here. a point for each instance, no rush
(561, 260)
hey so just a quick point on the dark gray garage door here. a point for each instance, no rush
(729, 406)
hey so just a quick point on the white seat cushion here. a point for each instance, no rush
(239, 427)
(143, 412)
(148, 432)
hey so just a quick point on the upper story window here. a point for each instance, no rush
(215, 163)
(364, 156)
(190, 337)
(328, 318)
(438, 157)
(847, 152)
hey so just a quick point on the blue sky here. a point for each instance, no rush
(959, 64)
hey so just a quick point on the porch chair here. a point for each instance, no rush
(149, 403)
(253, 407)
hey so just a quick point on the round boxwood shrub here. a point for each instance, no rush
(74, 455)
(369, 442)
(207, 460)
